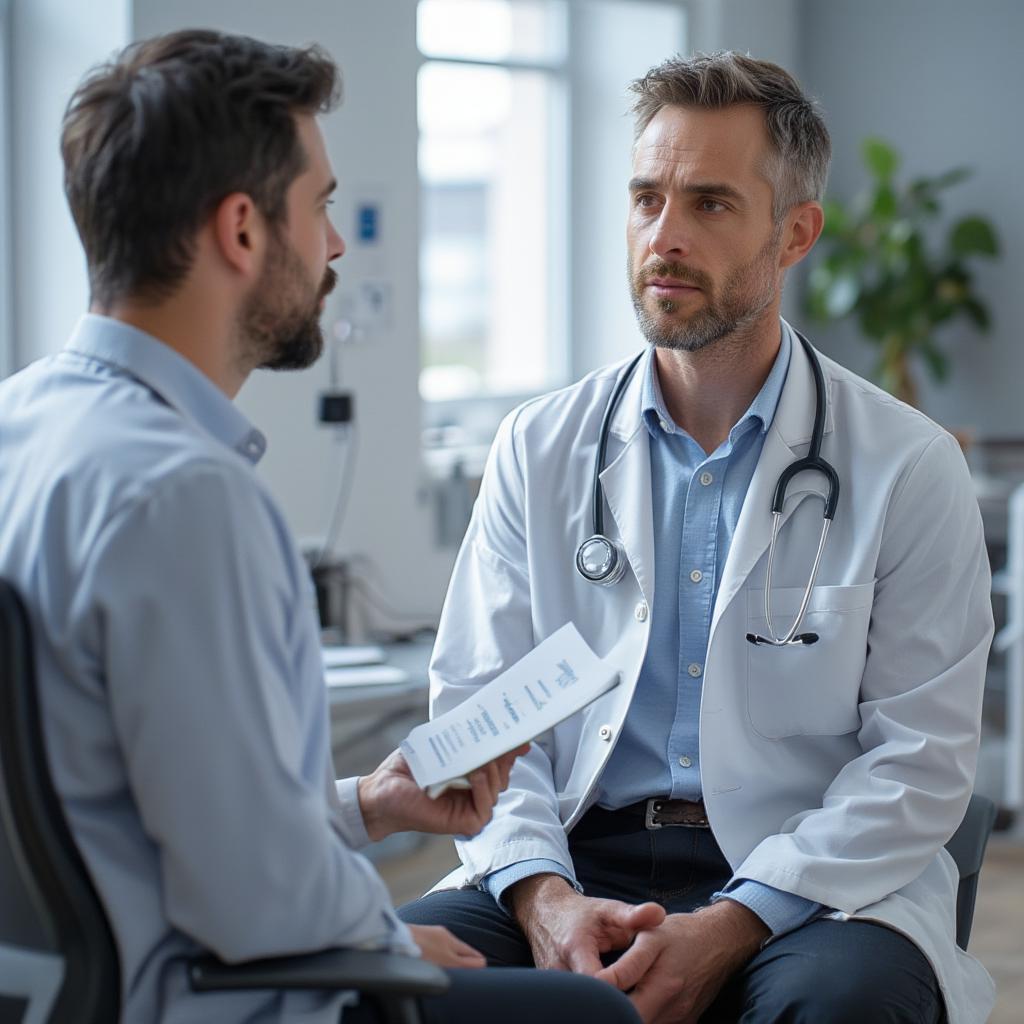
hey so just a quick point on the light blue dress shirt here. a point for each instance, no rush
(180, 675)
(696, 500)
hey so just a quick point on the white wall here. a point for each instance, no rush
(53, 43)
(371, 140)
(768, 29)
(943, 80)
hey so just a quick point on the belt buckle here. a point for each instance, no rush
(653, 806)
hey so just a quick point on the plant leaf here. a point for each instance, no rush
(974, 235)
(884, 205)
(936, 361)
(952, 177)
(978, 313)
(836, 218)
(881, 159)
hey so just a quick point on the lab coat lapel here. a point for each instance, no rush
(626, 482)
(787, 439)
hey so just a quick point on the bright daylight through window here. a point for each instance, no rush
(493, 182)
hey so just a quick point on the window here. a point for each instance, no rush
(524, 158)
(492, 156)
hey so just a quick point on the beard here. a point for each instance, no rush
(745, 294)
(280, 321)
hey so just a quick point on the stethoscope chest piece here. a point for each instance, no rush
(601, 560)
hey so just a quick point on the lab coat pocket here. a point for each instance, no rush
(809, 689)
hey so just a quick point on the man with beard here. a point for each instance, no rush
(177, 649)
(766, 818)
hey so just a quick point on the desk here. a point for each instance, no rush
(368, 722)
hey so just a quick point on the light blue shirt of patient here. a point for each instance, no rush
(181, 677)
(696, 500)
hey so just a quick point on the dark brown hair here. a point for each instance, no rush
(155, 139)
(801, 147)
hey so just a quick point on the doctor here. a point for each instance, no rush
(785, 803)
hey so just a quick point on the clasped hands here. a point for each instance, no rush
(673, 966)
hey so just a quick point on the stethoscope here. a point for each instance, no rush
(601, 560)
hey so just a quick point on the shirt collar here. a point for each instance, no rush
(170, 376)
(760, 413)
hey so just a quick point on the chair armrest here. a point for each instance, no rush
(967, 845)
(338, 969)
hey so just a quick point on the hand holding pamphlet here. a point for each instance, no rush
(556, 679)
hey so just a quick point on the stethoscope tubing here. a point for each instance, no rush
(613, 567)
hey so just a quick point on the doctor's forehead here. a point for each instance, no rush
(689, 141)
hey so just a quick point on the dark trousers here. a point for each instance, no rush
(517, 996)
(827, 971)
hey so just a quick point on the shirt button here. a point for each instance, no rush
(694, 670)
(696, 575)
(685, 761)
(640, 612)
(706, 478)
(664, 426)
(605, 732)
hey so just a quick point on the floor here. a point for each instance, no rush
(997, 939)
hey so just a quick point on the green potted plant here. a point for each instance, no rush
(886, 261)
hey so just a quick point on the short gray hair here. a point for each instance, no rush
(801, 147)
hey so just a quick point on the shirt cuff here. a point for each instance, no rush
(781, 911)
(498, 882)
(351, 816)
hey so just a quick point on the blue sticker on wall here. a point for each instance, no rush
(367, 223)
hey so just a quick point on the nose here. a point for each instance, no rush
(670, 238)
(335, 244)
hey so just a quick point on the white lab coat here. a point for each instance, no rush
(835, 771)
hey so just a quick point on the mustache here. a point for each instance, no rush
(677, 271)
(330, 280)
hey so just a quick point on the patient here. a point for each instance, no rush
(178, 652)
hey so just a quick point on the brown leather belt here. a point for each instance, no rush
(658, 812)
(662, 813)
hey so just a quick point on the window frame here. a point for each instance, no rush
(489, 407)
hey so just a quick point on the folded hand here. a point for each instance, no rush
(568, 931)
(674, 972)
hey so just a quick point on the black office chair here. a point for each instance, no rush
(967, 847)
(58, 959)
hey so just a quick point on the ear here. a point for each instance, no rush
(239, 233)
(803, 226)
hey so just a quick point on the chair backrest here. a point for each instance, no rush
(967, 848)
(53, 928)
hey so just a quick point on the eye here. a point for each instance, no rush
(645, 200)
(711, 206)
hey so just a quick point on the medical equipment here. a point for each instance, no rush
(601, 560)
